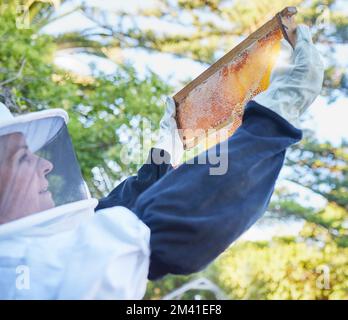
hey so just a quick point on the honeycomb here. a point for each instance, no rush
(218, 102)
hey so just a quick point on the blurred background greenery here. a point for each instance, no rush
(106, 108)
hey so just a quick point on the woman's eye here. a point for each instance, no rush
(23, 158)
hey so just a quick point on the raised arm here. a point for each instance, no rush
(194, 215)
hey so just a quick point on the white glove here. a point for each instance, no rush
(296, 79)
(169, 139)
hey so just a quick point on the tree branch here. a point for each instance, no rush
(19, 73)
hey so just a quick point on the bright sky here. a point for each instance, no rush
(328, 120)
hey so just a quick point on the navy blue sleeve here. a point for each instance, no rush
(195, 215)
(127, 192)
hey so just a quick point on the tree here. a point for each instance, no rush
(204, 30)
(323, 169)
(283, 269)
(101, 107)
(199, 30)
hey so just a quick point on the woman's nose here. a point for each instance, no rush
(46, 166)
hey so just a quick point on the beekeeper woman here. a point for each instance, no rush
(47, 223)
(193, 215)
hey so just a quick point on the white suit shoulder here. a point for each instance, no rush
(111, 258)
(100, 256)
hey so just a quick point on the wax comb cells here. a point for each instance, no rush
(216, 99)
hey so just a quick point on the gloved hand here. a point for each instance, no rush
(296, 79)
(169, 139)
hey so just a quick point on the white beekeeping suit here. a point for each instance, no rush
(52, 244)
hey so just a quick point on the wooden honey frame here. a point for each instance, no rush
(272, 25)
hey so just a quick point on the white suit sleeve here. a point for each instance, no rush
(110, 259)
(296, 80)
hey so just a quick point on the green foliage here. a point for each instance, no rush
(280, 269)
(322, 168)
(283, 270)
(100, 106)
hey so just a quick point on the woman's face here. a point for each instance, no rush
(23, 183)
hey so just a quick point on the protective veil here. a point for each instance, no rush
(52, 244)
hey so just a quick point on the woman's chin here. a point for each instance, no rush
(17, 212)
(47, 201)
